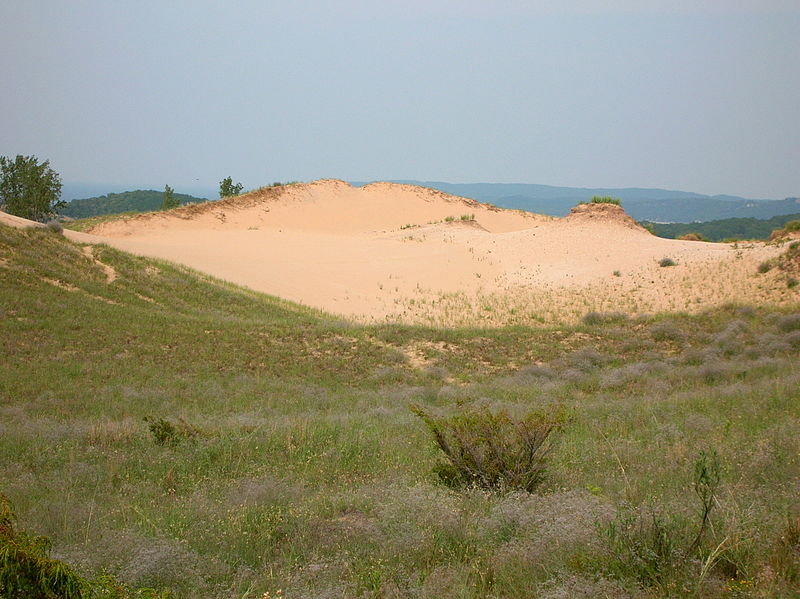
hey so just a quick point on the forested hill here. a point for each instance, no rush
(128, 201)
(728, 228)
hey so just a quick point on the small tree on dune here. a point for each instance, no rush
(170, 201)
(227, 188)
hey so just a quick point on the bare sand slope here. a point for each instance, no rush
(403, 253)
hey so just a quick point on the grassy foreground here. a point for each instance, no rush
(281, 457)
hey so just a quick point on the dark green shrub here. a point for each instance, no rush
(26, 569)
(765, 266)
(166, 433)
(491, 450)
(28, 572)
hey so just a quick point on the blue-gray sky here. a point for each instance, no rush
(695, 95)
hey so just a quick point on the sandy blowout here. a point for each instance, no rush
(399, 253)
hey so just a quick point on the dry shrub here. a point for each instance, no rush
(692, 237)
(492, 450)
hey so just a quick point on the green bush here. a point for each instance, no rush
(650, 546)
(605, 200)
(26, 569)
(664, 262)
(28, 572)
(792, 225)
(166, 433)
(492, 450)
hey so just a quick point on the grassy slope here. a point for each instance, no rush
(305, 470)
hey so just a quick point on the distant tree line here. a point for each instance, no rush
(127, 201)
(724, 229)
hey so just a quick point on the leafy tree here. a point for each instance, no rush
(227, 188)
(29, 189)
(170, 201)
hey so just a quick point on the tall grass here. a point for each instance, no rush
(291, 459)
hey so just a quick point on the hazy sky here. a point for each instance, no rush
(691, 95)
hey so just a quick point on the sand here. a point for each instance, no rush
(389, 252)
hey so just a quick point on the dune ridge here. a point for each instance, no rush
(394, 252)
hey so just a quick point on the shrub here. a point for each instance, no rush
(792, 225)
(764, 267)
(643, 546)
(166, 433)
(467, 217)
(26, 569)
(492, 451)
(28, 572)
(648, 546)
(55, 226)
(605, 200)
(666, 262)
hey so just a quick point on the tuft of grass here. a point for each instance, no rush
(666, 261)
(605, 200)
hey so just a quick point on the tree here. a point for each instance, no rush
(227, 188)
(29, 189)
(170, 201)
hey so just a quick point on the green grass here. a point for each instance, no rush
(297, 464)
(605, 200)
(83, 224)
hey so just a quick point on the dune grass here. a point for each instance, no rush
(186, 434)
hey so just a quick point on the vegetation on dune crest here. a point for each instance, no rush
(605, 200)
(170, 201)
(182, 434)
(228, 188)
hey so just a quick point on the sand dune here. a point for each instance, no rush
(398, 252)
